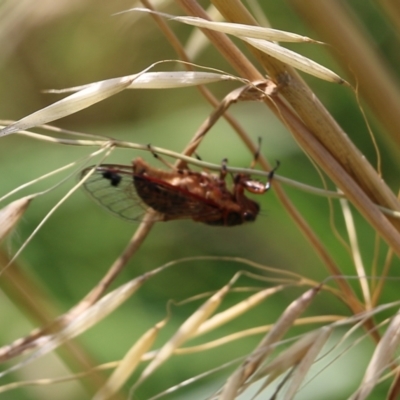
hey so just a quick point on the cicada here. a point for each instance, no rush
(178, 194)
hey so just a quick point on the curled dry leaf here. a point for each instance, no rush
(10, 215)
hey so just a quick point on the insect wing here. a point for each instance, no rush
(173, 201)
(111, 186)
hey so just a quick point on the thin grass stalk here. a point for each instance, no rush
(394, 392)
(379, 288)
(354, 49)
(356, 253)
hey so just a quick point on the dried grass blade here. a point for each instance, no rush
(253, 361)
(87, 95)
(90, 95)
(129, 363)
(381, 359)
(163, 80)
(295, 60)
(176, 79)
(234, 29)
(251, 31)
(10, 215)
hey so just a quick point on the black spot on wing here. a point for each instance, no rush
(113, 189)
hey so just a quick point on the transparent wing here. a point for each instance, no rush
(111, 186)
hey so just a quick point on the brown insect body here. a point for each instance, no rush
(181, 194)
(197, 195)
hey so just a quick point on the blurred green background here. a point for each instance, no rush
(69, 43)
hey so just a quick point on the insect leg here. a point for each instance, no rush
(254, 186)
(271, 175)
(256, 154)
(223, 172)
(155, 155)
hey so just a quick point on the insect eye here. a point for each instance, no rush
(249, 216)
(234, 218)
